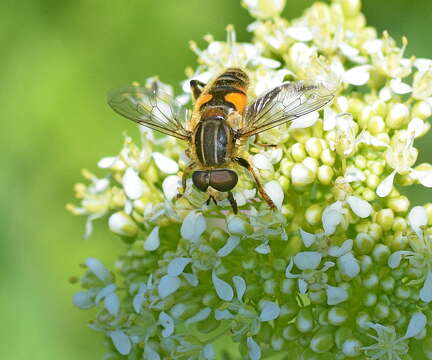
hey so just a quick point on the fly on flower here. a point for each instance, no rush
(222, 117)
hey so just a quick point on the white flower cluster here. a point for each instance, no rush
(341, 270)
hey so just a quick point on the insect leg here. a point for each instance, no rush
(233, 202)
(261, 190)
(186, 172)
(197, 88)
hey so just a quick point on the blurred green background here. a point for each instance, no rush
(58, 59)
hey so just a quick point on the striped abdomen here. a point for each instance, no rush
(213, 140)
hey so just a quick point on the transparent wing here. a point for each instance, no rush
(150, 107)
(283, 104)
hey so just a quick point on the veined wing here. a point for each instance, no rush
(283, 104)
(149, 107)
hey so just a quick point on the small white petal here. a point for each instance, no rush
(122, 224)
(167, 323)
(417, 126)
(107, 290)
(426, 291)
(270, 311)
(229, 246)
(288, 272)
(336, 295)
(305, 120)
(177, 265)
(423, 64)
(386, 185)
(366, 138)
(348, 265)
(274, 190)
(165, 164)
(97, 268)
(373, 46)
(337, 251)
(417, 218)
(121, 342)
(395, 258)
(358, 75)
(223, 289)
(150, 353)
(223, 315)
(240, 286)
(416, 325)
(359, 206)
(191, 279)
(354, 174)
(170, 186)
(348, 50)
(194, 224)
(275, 155)
(254, 349)
(208, 352)
(329, 119)
(299, 33)
(308, 238)
(112, 304)
(307, 260)
(132, 184)
(263, 249)
(398, 87)
(152, 242)
(303, 286)
(424, 177)
(199, 316)
(84, 300)
(385, 94)
(168, 285)
(261, 162)
(107, 162)
(332, 217)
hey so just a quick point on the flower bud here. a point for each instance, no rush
(351, 347)
(122, 224)
(337, 315)
(422, 110)
(313, 214)
(322, 341)
(370, 299)
(364, 243)
(370, 281)
(264, 9)
(298, 152)
(381, 311)
(304, 320)
(385, 218)
(325, 174)
(328, 157)
(380, 254)
(397, 116)
(313, 147)
(387, 284)
(398, 204)
(290, 332)
(366, 264)
(376, 125)
(362, 321)
(301, 175)
(238, 226)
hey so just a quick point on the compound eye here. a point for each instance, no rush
(223, 180)
(201, 180)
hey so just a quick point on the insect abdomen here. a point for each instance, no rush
(213, 141)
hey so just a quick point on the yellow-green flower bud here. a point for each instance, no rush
(122, 224)
(366, 264)
(360, 161)
(286, 166)
(304, 320)
(370, 299)
(312, 164)
(381, 310)
(290, 332)
(428, 208)
(322, 341)
(422, 110)
(370, 281)
(328, 157)
(397, 116)
(380, 254)
(387, 284)
(301, 135)
(325, 174)
(399, 204)
(385, 218)
(369, 195)
(364, 243)
(337, 315)
(376, 125)
(298, 152)
(351, 347)
(313, 147)
(301, 175)
(372, 181)
(284, 183)
(313, 214)
(403, 292)
(362, 321)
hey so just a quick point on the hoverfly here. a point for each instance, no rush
(221, 118)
